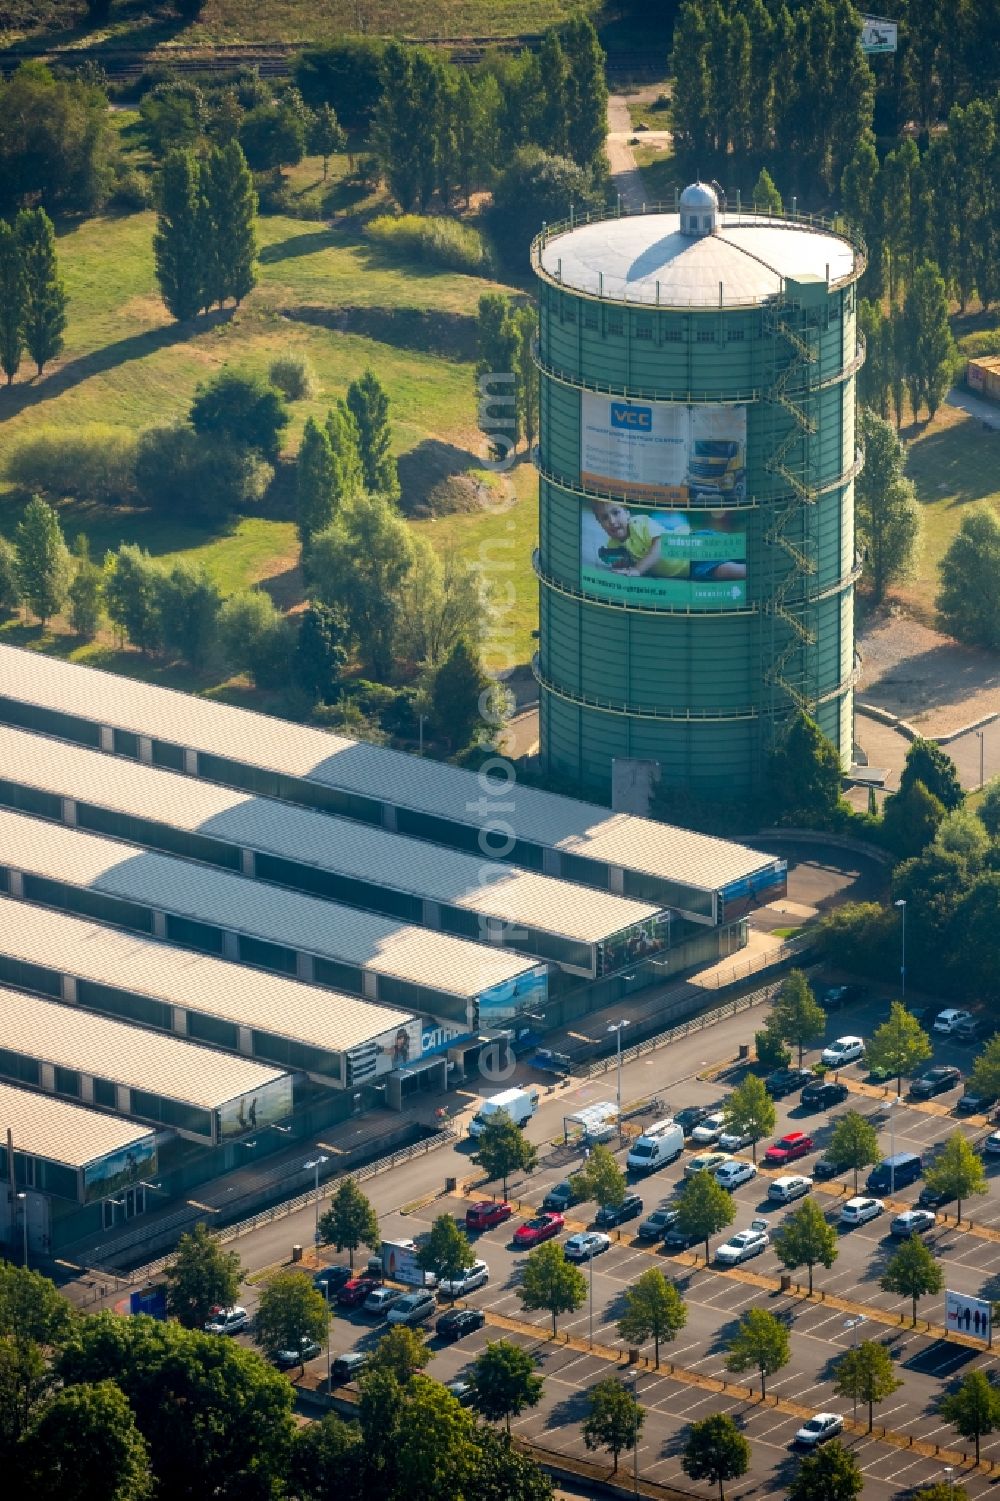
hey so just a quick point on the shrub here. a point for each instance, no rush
(203, 479)
(432, 239)
(132, 192)
(536, 188)
(90, 463)
(294, 377)
(255, 639)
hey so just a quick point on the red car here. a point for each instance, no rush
(788, 1149)
(543, 1227)
(486, 1215)
(354, 1292)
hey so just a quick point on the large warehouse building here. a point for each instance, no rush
(696, 453)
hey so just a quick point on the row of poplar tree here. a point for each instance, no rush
(205, 245)
(32, 296)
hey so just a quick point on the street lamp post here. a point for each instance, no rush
(633, 1377)
(891, 1107)
(901, 904)
(325, 1285)
(23, 1197)
(853, 1325)
(315, 1164)
(949, 1472)
(981, 737)
(617, 1028)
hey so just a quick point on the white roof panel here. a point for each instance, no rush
(62, 1131)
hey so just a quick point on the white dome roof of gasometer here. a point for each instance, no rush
(699, 195)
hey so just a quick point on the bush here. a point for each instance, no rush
(294, 377)
(346, 75)
(861, 937)
(435, 240)
(132, 192)
(982, 342)
(770, 1050)
(203, 479)
(254, 638)
(90, 463)
(536, 188)
(243, 409)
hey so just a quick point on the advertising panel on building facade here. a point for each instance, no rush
(389, 1050)
(501, 1002)
(878, 35)
(118, 1170)
(744, 895)
(632, 945)
(264, 1107)
(968, 1315)
(663, 450)
(695, 560)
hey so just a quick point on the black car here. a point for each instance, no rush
(691, 1116)
(334, 1277)
(972, 1103)
(842, 995)
(786, 1081)
(822, 1093)
(935, 1081)
(933, 1198)
(680, 1240)
(617, 1214)
(825, 1168)
(458, 1322)
(559, 1197)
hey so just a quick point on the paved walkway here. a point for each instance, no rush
(986, 412)
(625, 175)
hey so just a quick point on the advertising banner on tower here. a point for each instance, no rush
(694, 560)
(661, 450)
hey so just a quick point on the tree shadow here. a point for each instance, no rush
(286, 588)
(941, 675)
(296, 246)
(967, 469)
(572, 1409)
(420, 330)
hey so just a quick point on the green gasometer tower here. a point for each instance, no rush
(696, 458)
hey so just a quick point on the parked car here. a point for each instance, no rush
(821, 1094)
(913, 1222)
(817, 1429)
(227, 1320)
(844, 1050)
(933, 1198)
(894, 1173)
(734, 1172)
(458, 1322)
(487, 1214)
(743, 1245)
(348, 1367)
(413, 1308)
(826, 1168)
(705, 1162)
(461, 1390)
(586, 1245)
(935, 1081)
(677, 1239)
(354, 1292)
(859, 1211)
(946, 1021)
(334, 1277)
(477, 1275)
(616, 1214)
(308, 1349)
(967, 1029)
(735, 1141)
(380, 1300)
(973, 1103)
(691, 1116)
(788, 1187)
(542, 1227)
(788, 1148)
(560, 1197)
(656, 1225)
(991, 1146)
(709, 1130)
(836, 996)
(786, 1081)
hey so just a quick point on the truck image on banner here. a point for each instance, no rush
(658, 450)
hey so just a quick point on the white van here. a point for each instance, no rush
(519, 1104)
(661, 1143)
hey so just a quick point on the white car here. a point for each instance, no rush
(228, 1321)
(946, 1021)
(819, 1428)
(913, 1222)
(860, 1210)
(732, 1174)
(586, 1244)
(733, 1141)
(844, 1050)
(709, 1130)
(477, 1275)
(743, 1245)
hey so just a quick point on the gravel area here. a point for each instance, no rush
(926, 678)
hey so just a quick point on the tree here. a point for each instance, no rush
(910, 819)
(865, 1373)
(899, 1045)
(551, 1282)
(926, 762)
(204, 479)
(327, 136)
(435, 1446)
(654, 1309)
(601, 1179)
(350, 1221)
(10, 578)
(586, 92)
(930, 356)
(984, 1076)
(503, 1149)
(831, 1474)
(201, 1276)
(132, 595)
(86, 590)
(255, 639)
(57, 144)
(178, 241)
(84, 1445)
(407, 126)
(704, 1208)
(315, 477)
(503, 1473)
(444, 599)
(230, 266)
(342, 431)
(44, 294)
(854, 1143)
(615, 1419)
(368, 403)
(968, 607)
(326, 1460)
(957, 1171)
(12, 301)
(760, 1342)
(715, 1451)
(941, 1490)
(535, 189)
(988, 810)
(189, 603)
(769, 1049)
(498, 339)
(44, 565)
(765, 197)
(806, 774)
(749, 1111)
(886, 508)
(974, 1408)
(805, 1239)
(272, 136)
(291, 1311)
(456, 693)
(361, 563)
(504, 1382)
(526, 372)
(446, 1251)
(403, 1352)
(243, 409)
(321, 651)
(797, 1016)
(912, 1272)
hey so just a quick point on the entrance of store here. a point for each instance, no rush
(407, 1085)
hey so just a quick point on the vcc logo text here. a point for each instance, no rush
(631, 418)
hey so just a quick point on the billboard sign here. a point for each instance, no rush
(695, 560)
(967, 1315)
(660, 450)
(263, 1107)
(393, 1049)
(400, 1264)
(632, 945)
(109, 1175)
(524, 993)
(878, 35)
(750, 892)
